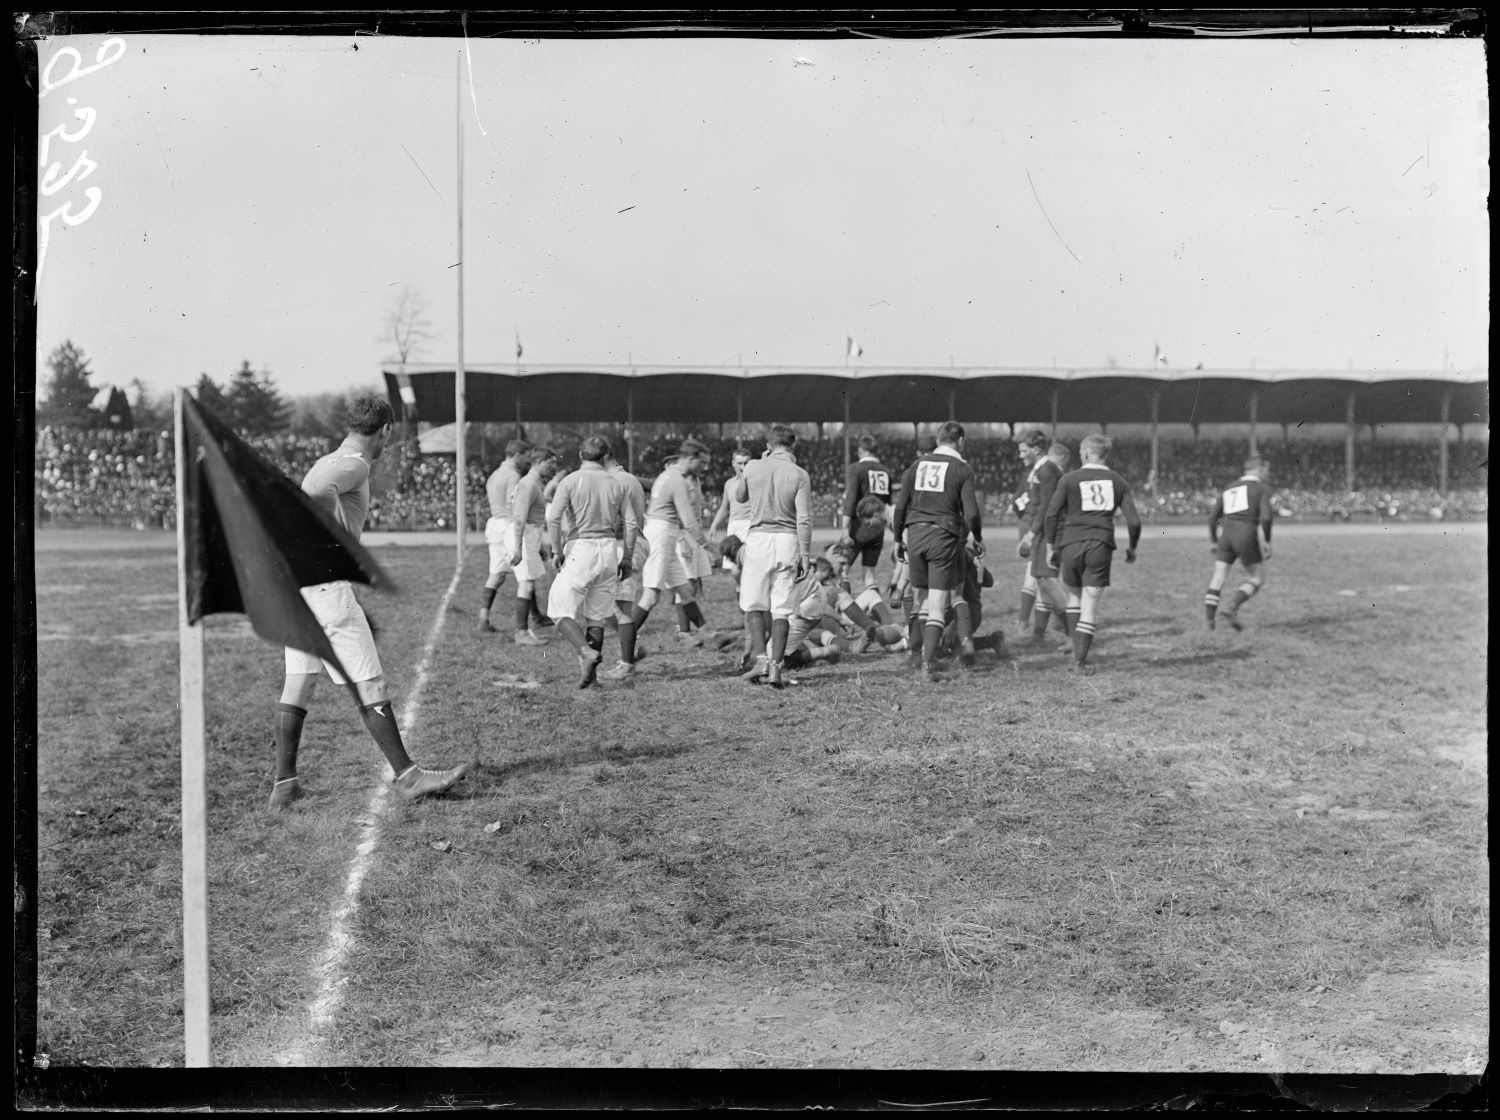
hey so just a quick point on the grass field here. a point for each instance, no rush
(1232, 852)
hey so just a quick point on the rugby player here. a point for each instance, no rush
(627, 587)
(669, 516)
(1030, 451)
(499, 530)
(1079, 530)
(1240, 508)
(589, 564)
(530, 551)
(695, 556)
(340, 483)
(867, 497)
(938, 511)
(1051, 598)
(778, 547)
(732, 517)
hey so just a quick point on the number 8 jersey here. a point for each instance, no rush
(1084, 504)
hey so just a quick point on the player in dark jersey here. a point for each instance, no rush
(1052, 600)
(1080, 532)
(1030, 451)
(1239, 510)
(865, 479)
(937, 510)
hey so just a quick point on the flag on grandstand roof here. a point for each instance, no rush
(1158, 358)
(252, 539)
(853, 348)
(518, 346)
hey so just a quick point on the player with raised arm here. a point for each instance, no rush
(499, 530)
(937, 510)
(530, 551)
(340, 483)
(1079, 531)
(777, 549)
(867, 498)
(589, 502)
(1239, 510)
(1052, 599)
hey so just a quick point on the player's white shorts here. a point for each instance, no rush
(629, 590)
(530, 569)
(348, 630)
(768, 573)
(663, 569)
(585, 587)
(741, 530)
(695, 558)
(867, 600)
(500, 534)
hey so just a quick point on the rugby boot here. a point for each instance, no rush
(415, 782)
(774, 670)
(966, 652)
(284, 792)
(588, 667)
(623, 672)
(759, 669)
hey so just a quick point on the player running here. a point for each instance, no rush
(340, 483)
(590, 502)
(499, 530)
(1079, 529)
(1240, 508)
(938, 511)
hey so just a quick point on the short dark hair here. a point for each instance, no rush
(593, 449)
(729, 548)
(540, 453)
(1036, 439)
(780, 435)
(516, 447)
(367, 415)
(951, 432)
(866, 443)
(1255, 463)
(690, 447)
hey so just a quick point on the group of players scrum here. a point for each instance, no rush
(617, 550)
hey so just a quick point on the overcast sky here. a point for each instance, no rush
(1287, 203)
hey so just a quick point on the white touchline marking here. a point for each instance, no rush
(310, 1048)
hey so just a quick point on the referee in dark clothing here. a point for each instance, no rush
(938, 511)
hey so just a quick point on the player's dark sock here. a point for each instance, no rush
(1028, 602)
(627, 642)
(798, 658)
(1070, 622)
(487, 597)
(289, 720)
(932, 636)
(995, 641)
(538, 618)
(1083, 638)
(695, 615)
(1211, 605)
(780, 630)
(594, 638)
(380, 722)
(683, 623)
(523, 613)
(1042, 618)
(914, 632)
(858, 616)
(963, 614)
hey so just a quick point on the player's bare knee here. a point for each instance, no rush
(371, 691)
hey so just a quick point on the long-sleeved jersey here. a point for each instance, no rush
(1248, 500)
(780, 496)
(588, 503)
(1041, 484)
(866, 478)
(938, 489)
(1083, 508)
(340, 483)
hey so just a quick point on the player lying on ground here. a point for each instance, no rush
(1240, 508)
(340, 483)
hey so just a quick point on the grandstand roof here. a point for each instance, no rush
(884, 394)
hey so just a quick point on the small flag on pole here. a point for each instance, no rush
(518, 346)
(853, 348)
(253, 539)
(1158, 358)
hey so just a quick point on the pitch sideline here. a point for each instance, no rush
(310, 1047)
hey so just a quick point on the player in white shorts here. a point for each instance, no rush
(530, 554)
(499, 530)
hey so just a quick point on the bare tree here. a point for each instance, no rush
(405, 323)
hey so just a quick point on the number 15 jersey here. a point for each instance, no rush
(1084, 504)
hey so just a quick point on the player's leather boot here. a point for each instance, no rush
(623, 672)
(415, 782)
(774, 670)
(588, 667)
(1233, 619)
(759, 669)
(966, 653)
(284, 792)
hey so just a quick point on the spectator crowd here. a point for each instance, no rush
(127, 479)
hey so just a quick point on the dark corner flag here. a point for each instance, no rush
(248, 541)
(253, 539)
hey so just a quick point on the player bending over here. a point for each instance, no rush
(1080, 534)
(1239, 509)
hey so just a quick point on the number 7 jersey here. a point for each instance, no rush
(1084, 504)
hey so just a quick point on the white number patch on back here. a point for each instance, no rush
(1098, 495)
(880, 482)
(930, 477)
(1237, 499)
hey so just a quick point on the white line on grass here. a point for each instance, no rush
(311, 1047)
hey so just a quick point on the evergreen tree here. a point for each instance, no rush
(257, 407)
(211, 397)
(69, 392)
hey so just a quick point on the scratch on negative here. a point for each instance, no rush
(469, 59)
(1043, 209)
(1412, 164)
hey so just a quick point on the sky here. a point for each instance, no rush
(1308, 204)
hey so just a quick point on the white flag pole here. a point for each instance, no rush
(458, 380)
(194, 787)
